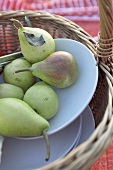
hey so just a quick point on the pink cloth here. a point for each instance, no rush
(72, 9)
(84, 12)
(106, 160)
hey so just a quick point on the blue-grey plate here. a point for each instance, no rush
(74, 99)
(20, 154)
(29, 154)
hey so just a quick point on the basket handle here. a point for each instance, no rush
(105, 36)
(106, 19)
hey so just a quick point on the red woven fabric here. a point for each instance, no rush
(86, 14)
(106, 161)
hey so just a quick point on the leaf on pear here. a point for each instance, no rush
(33, 40)
(28, 21)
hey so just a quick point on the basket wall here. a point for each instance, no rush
(83, 156)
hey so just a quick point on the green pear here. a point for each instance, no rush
(60, 69)
(17, 118)
(42, 98)
(22, 80)
(12, 91)
(36, 44)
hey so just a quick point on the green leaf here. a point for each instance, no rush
(33, 40)
(28, 21)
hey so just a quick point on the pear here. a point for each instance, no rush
(12, 91)
(22, 80)
(36, 43)
(17, 118)
(60, 69)
(43, 99)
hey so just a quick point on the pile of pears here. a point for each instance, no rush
(27, 98)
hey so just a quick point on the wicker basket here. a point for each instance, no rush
(87, 153)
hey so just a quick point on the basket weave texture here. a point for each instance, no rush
(82, 157)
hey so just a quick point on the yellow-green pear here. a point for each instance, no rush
(60, 69)
(17, 118)
(36, 44)
(12, 91)
(23, 80)
(42, 98)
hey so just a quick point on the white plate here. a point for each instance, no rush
(88, 125)
(74, 99)
(24, 155)
(30, 154)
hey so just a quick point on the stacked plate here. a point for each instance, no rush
(29, 154)
(71, 126)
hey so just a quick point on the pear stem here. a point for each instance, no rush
(26, 69)
(17, 22)
(47, 144)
